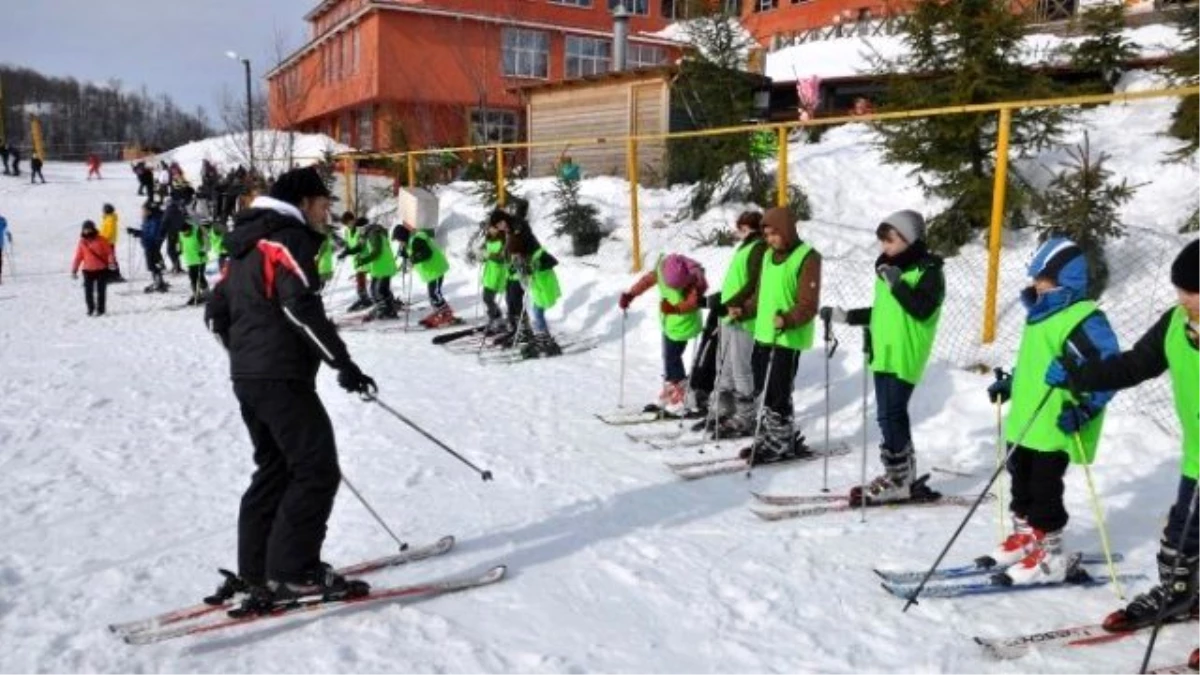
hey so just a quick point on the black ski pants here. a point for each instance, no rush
(173, 251)
(95, 290)
(780, 381)
(281, 526)
(199, 282)
(493, 308)
(704, 368)
(1176, 524)
(891, 410)
(434, 289)
(1037, 487)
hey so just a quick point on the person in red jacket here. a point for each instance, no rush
(93, 163)
(95, 255)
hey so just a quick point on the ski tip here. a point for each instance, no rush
(495, 574)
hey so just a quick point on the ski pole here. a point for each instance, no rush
(1095, 499)
(912, 599)
(403, 545)
(407, 282)
(1162, 608)
(714, 399)
(831, 345)
(862, 491)
(621, 381)
(999, 372)
(485, 475)
(762, 403)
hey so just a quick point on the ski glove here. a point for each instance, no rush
(667, 308)
(1074, 417)
(833, 314)
(624, 301)
(890, 274)
(1000, 390)
(354, 381)
(1057, 375)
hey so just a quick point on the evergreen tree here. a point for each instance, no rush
(576, 219)
(1082, 203)
(963, 52)
(1185, 66)
(1106, 50)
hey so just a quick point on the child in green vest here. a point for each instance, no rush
(354, 227)
(735, 389)
(534, 268)
(193, 252)
(429, 262)
(1051, 425)
(681, 288)
(786, 304)
(1169, 346)
(325, 258)
(903, 320)
(495, 271)
(216, 243)
(374, 254)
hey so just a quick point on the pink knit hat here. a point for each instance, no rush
(681, 272)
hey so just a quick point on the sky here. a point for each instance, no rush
(173, 47)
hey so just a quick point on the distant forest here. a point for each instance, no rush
(81, 118)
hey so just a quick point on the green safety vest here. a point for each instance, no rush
(778, 288)
(1041, 343)
(191, 247)
(325, 258)
(737, 276)
(900, 343)
(379, 261)
(433, 268)
(495, 272)
(543, 284)
(1183, 363)
(216, 244)
(353, 235)
(678, 327)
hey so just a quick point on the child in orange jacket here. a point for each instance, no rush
(95, 255)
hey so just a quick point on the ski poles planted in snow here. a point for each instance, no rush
(831, 345)
(862, 493)
(912, 599)
(999, 372)
(1095, 499)
(762, 403)
(403, 545)
(370, 396)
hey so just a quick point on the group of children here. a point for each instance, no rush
(1068, 367)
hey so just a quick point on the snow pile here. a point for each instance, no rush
(844, 57)
(685, 32)
(272, 151)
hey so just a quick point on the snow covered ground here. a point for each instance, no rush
(124, 457)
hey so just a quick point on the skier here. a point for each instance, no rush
(1060, 320)
(681, 288)
(173, 221)
(354, 227)
(93, 164)
(1169, 346)
(903, 320)
(96, 257)
(374, 254)
(495, 271)
(735, 390)
(788, 295)
(145, 180)
(267, 312)
(35, 170)
(5, 238)
(151, 235)
(4, 153)
(194, 251)
(16, 160)
(109, 230)
(426, 258)
(534, 267)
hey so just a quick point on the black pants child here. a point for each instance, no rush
(891, 410)
(434, 288)
(173, 252)
(199, 283)
(35, 174)
(1037, 487)
(95, 291)
(783, 374)
(381, 296)
(1176, 524)
(281, 525)
(493, 307)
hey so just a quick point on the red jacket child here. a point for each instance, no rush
(93, 253)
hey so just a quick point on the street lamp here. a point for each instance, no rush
(249, 107)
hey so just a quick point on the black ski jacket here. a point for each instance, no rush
(267, 309)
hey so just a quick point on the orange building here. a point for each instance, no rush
(388, 74)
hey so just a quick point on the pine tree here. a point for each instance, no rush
(1082, 203)
(576, 219)
(963, 52)
(1106, 50)
(1185, 66)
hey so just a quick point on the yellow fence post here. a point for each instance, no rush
(411, 160)
(994, 234)
(631, 173)
(501, 187)
(781, 174)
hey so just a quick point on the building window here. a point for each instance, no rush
(733, 7)
(573, 3)
(765, 5)
(345, 126)
(366, 128)
(632, 6)
(526, 53)
(493, 126)
(587, 56)
(645, 56)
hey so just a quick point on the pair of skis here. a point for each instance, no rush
(805, 506)
(963, 581)
(726, 464)
(1083, 635)
(205, 618)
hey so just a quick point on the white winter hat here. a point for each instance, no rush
(910, 225)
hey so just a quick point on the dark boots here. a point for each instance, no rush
(1175, 594)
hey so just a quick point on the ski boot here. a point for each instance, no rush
(322, 584)
(1175, 595)
(233, 585)
(542, 346)
(1045, 564)
(1010, 551)
(443, 316)
(359, 304)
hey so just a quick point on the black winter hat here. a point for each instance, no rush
(400, 233)
(295, 185)
(1185, 271)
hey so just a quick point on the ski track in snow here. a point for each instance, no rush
(124, 458)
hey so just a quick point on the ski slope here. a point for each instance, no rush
(124, 457)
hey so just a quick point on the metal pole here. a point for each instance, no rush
(403, 546)
(831, 345)
(1000, 459)
(862, 491)
(249, 114)
(781, 172)
(998, 196)
(621, 386)
(631, 173)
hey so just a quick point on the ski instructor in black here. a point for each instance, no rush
(267, 312)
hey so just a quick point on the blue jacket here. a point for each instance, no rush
(152, 231)
(5, 235)
(1093, 339)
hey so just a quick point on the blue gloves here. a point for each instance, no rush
(1056, 374)
(1000, 390)
(1073, 417)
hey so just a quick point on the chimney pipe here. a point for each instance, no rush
(620, 37)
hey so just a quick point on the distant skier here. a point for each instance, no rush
(426, 258)
(151, 236)
(93, 164)
(6, 240)
(267, 311)
(173, 221)
(1170, 346)
(16, 160)
(4, 154)
(96, 257)
(534, 267)
(35, 170)
(1059, 320)
(109, 231)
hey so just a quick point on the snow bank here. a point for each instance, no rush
(272, 151)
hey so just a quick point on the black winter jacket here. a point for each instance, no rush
(267, 308)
